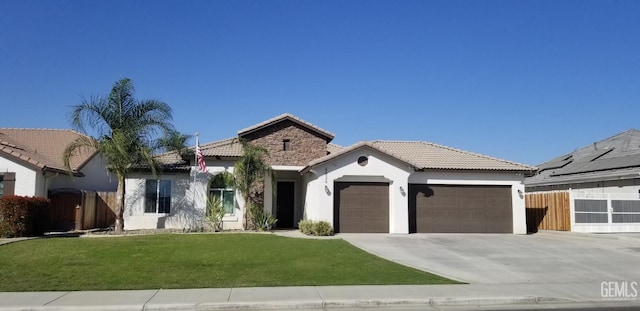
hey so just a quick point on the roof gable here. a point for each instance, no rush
(42, 148)
(328, 136)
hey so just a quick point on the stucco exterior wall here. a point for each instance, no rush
(318, 204)
(515, 180)
(188, 201)
(26, 178)
(30, 182)
(95, 178)
(380, 168)
(305, 144)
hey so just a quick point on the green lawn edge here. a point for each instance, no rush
(172, 261)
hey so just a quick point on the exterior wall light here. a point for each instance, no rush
(402, 191)
(327, 190)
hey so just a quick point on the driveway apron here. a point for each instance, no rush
(507, 258)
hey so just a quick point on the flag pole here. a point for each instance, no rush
(195, 169)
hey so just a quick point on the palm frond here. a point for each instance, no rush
(81, 143)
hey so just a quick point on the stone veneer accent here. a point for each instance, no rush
(306, 145)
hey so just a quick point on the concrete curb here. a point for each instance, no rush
(398, 303)
(320, 304)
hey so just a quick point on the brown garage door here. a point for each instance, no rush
(449, 208)
(361, 207)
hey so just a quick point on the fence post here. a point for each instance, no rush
(609, 212)
(571, 211)
(80, 213)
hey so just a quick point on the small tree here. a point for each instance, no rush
(249, 172)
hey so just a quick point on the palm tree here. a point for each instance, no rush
(128, 133)
(249, 172)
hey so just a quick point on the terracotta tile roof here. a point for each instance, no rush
(287, 116)
(425, 155)
(226, 148)
(42, 148)
(230, 147)
(333, 148)
(171, 158)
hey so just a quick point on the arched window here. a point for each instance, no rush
(219, 189)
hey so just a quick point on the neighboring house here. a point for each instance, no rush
(603, 180)
(31, 164)
(377, 186)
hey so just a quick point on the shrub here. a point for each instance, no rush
(215, 213)
(319, 228)
(20, 216)
(322, 228)
(262, 220)
(306, 226)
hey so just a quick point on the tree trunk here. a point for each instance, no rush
(120, 206)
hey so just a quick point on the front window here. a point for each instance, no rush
(157, 196)
(220, 190)
(1, 185)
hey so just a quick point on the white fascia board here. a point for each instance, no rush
(287, 168)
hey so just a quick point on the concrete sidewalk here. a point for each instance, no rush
(322, 297)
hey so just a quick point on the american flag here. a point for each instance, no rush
(201, 164)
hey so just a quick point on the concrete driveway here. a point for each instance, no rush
(545, 257)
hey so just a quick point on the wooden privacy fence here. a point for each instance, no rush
(548, 211)
(97, 210)
(80, 210)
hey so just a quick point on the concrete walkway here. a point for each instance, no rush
(324, 297)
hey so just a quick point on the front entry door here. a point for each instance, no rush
(285, 204)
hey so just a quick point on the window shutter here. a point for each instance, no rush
(9, 181)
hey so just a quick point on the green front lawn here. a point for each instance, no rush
(194, 261)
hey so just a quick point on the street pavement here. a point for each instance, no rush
(507, 272)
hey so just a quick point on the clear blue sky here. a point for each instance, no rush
(521, 80)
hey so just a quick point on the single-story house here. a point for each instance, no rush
(603, 180)
(371, 186)
(31, 163)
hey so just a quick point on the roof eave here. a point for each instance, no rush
(524, 171)
(582, 180)
(75, 173)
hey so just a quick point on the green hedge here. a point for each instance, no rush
(24, 216)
